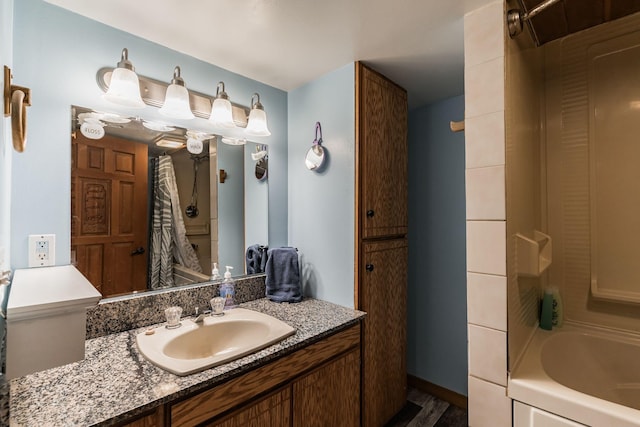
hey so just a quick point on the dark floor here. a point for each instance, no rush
(424, 410)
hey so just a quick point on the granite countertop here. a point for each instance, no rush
(115, 382)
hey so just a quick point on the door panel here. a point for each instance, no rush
(383, 157)
(383, 297)
(109, 213)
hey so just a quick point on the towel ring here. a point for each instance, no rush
(19, 120)
(16, 101)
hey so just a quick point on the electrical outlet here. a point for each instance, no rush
(42, 250)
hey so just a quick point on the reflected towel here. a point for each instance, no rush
(256, 258)
(283, 275)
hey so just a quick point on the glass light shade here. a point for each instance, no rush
(257, 124)
(176, 103)
(124, 89)
(221, 114)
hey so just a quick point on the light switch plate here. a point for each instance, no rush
(42, 250)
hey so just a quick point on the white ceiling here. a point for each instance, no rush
(286, 43)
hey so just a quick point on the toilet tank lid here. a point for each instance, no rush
(45, 291)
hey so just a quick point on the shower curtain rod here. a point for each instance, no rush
(516, 18)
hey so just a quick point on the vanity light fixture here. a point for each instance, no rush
(124, 88)
(257, 123)
(221, 114)
(176, 100)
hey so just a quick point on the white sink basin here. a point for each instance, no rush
(196, 347)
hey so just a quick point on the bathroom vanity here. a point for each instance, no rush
(310, 378)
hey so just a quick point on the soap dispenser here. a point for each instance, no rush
(215, 274)
(227, 290)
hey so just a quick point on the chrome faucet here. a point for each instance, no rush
(200, 317)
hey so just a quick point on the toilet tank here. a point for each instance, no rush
(46, 318)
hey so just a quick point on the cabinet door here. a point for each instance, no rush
(330, 395)
(271, 411)
(153, 419)
(383, 294)
(382, 155)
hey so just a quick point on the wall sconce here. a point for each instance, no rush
(176, 100)
(124, 88)
(221, 113)
(257, 123)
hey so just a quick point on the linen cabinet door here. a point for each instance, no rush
(329, 395)
(382, 172)
(383, 293)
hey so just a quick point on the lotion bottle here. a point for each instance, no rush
(227, 290)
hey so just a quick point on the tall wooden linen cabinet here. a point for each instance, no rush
(381, 242)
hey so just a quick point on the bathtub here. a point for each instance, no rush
(587, 375)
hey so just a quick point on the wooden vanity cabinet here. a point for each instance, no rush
(318, 385)
(381, 244)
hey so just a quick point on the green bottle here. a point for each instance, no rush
(546, 312)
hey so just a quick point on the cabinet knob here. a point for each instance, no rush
(370, 213)
(369, 267)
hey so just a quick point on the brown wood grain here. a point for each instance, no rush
(210, 403)
(154, 418)
(382, 155)
(330, 395)
(109, 212)
(445, 394)
(381, 186)
(384, 295)
(273, 410)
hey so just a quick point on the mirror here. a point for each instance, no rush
(152, 207)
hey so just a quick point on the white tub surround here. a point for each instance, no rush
(46, 318)
(588, 375)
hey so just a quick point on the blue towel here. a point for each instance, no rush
(256, 258)
(283, 275)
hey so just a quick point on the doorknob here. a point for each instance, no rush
(369, 267)
(137, 251)
(370, 213)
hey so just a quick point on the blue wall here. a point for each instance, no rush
(57, 54)
(437, 303)
(321, 204)
(6, 150)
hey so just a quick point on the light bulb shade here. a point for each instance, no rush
(176, 103)
(257, 124)
(124, 89)
(221, 114)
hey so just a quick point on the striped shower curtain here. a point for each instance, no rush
(168, 234)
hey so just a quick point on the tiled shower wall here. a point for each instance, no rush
(486, 216)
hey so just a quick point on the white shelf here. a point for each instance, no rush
(533, 254)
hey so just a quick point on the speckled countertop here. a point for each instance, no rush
(114, 381)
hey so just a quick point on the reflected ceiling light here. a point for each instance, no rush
(157, 126)
(221, 114)
(176, 100)
(170, 143)
(257, 124)
(124, 88)
(234, 141)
